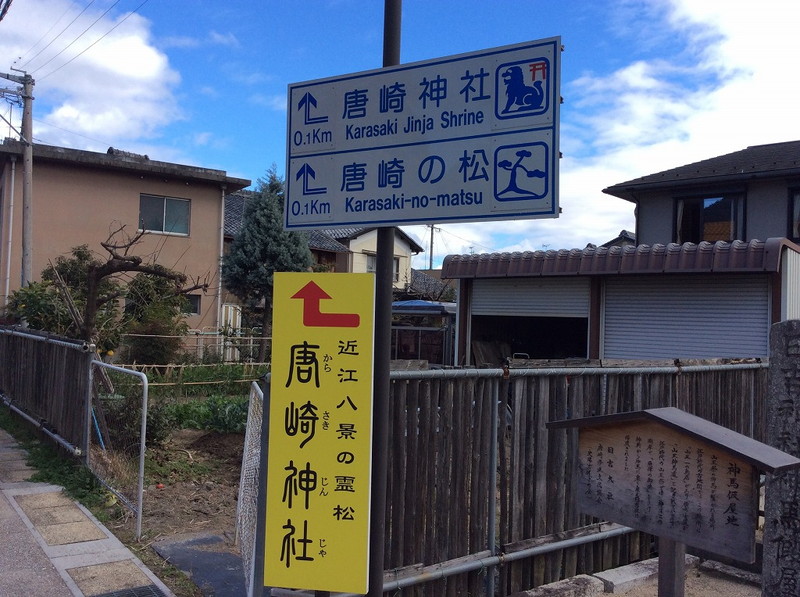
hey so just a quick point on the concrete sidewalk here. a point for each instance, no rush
(51, 546)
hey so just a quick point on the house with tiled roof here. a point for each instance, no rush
(79, 197)
(327, 253)
(362, 243)
(715, 266)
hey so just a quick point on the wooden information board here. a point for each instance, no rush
(657, 480)
(674, 475)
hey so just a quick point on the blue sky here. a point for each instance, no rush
(647, 84)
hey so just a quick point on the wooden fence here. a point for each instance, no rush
(46, 378)
(460, 490)
(441, 497)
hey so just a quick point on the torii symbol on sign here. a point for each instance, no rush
(311, 295)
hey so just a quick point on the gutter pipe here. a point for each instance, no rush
(9, 246)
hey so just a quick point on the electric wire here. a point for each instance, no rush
(466, 240)
(45, 34)
(11, 126)
(90, 46)
(69, 45)
(85, 8)
(61, 128)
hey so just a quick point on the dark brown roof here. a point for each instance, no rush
(318, 240)
(234, 211)
(736, 256)
(235, 206)
(353, 232)
(124, 161)
(757, 161)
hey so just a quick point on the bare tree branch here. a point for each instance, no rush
(119, 245)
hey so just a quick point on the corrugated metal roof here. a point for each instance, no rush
(736, 256)
(757, 161)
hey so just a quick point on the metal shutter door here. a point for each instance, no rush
(702, 316)
(531, 297)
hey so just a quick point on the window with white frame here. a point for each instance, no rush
(169, 215)
(372, 266)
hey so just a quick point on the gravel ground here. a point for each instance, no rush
(701, 582)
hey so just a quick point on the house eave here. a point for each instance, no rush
(126, 163)
(631, 191)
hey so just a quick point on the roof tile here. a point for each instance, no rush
(736, 256)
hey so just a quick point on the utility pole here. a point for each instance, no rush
(430, 256)
(26, 137)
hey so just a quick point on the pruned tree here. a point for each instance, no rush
(121, 261)
(262, 248)
(79, 294)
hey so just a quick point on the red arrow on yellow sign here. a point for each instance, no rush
(312, 295)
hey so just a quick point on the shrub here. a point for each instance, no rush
(218, 413)
(123, 416)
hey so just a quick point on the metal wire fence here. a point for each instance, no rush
(116, 452)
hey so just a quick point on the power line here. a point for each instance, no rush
(69, 45)
(85, 8)
(11, 126)
(46, 33)
(61, 128)
(96, 41)
(467, 240)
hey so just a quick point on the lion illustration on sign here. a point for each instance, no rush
(520, 96)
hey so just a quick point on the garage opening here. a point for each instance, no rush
(537, 337)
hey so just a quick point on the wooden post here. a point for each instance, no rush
(671, 568)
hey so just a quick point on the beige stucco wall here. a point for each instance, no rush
(368, 243)
(75, 205)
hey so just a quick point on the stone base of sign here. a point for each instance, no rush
(625, 578)
(615, 581)
(577, 586)
(738, 574)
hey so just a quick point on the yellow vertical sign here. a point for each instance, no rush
(320, 432)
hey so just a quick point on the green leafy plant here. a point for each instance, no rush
(218, 413)
(53, 465)
(41, 307)
(124, 415)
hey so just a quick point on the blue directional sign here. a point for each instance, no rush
(472, 137)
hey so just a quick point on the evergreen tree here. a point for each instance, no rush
(262, 248)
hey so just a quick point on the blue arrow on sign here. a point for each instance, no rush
(308, 101)
(307, 173)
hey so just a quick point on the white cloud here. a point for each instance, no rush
(654, 115)
(179, 41)
(273, 102)
(119, 87)
(728, 84)
(224, 39)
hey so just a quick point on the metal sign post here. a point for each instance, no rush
(383, 339)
